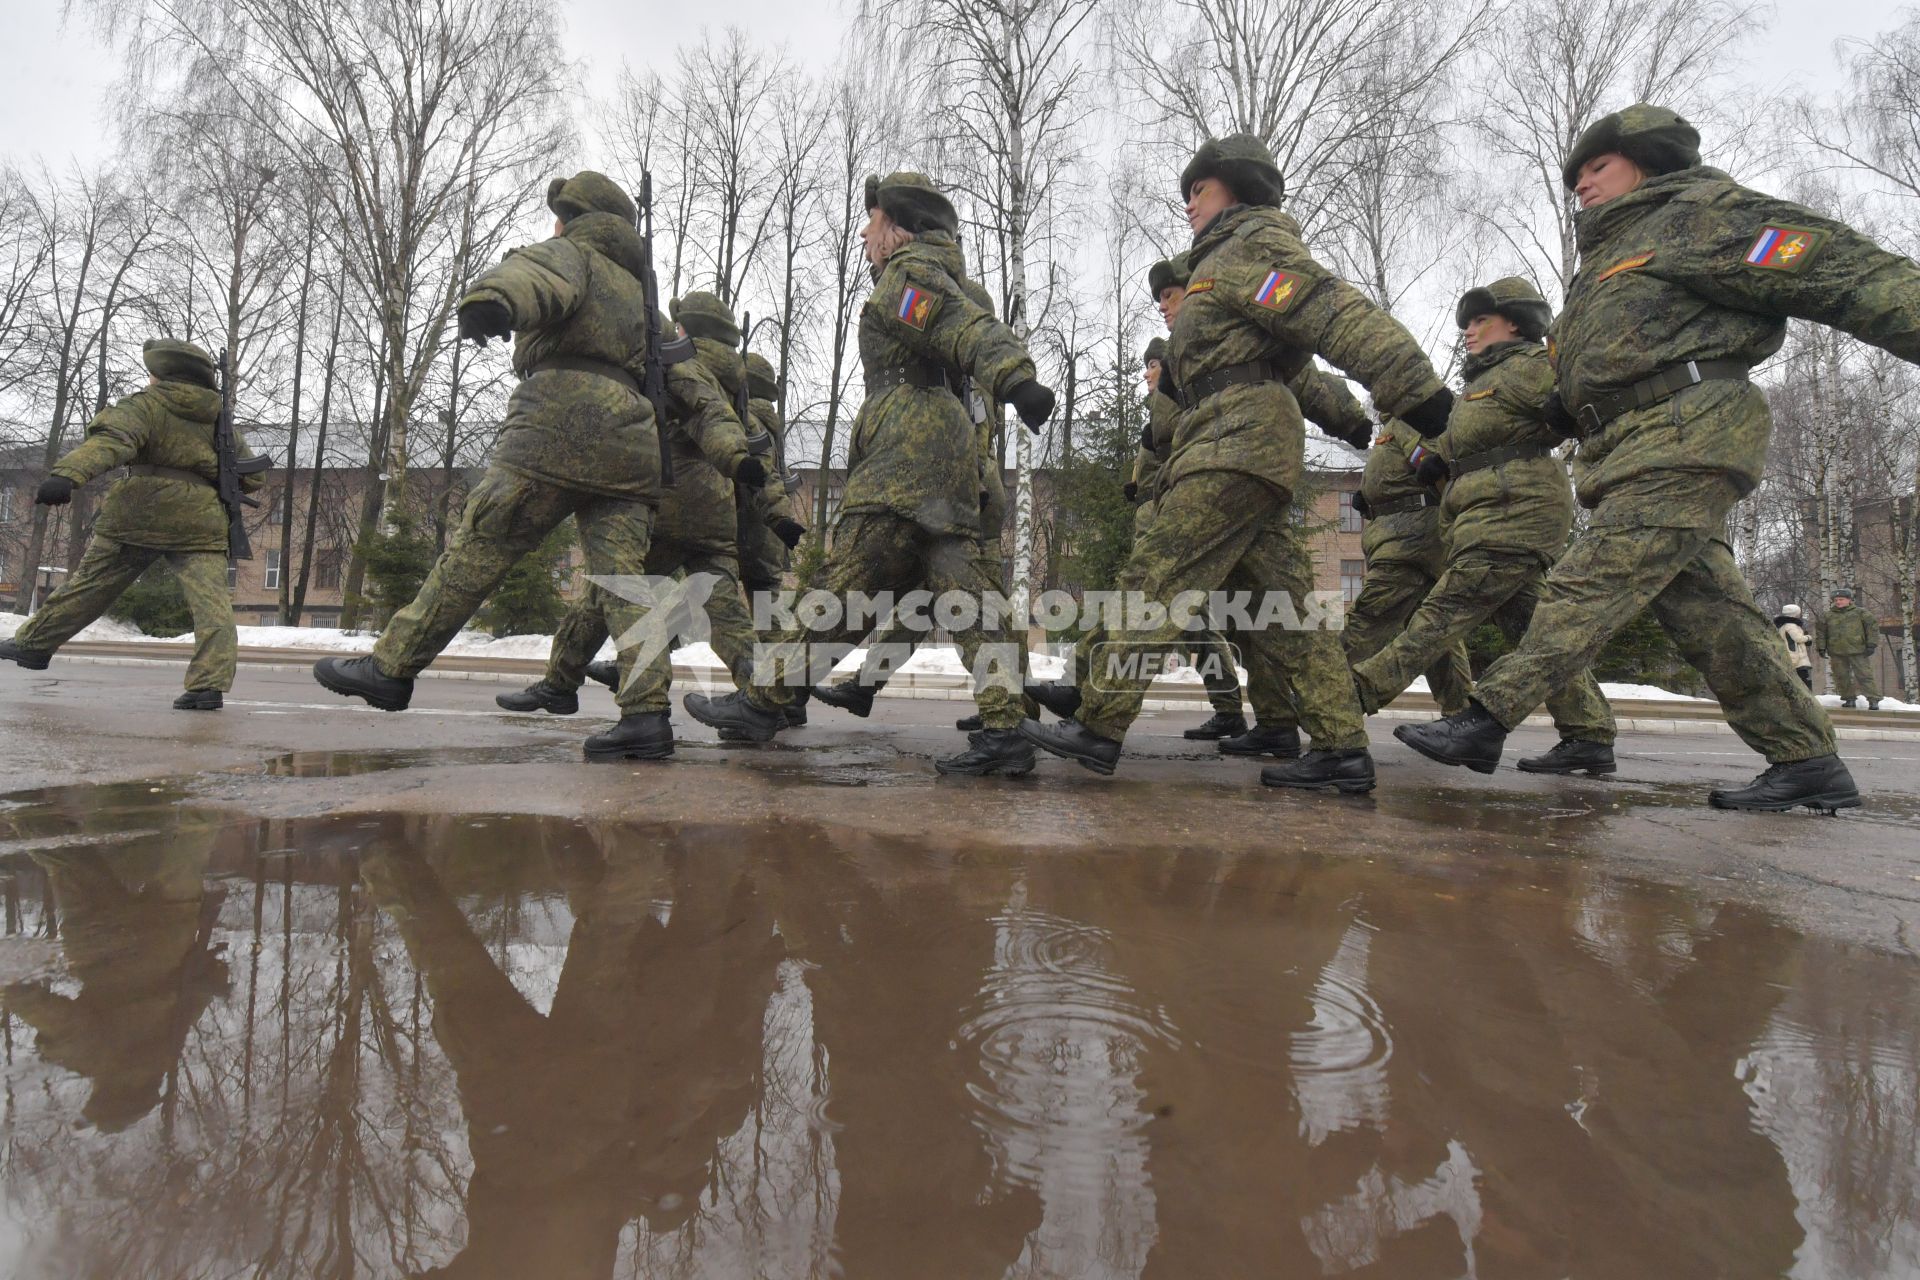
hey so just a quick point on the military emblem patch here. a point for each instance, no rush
(1785, 248)
(916, 308)
(1278, 291)
(1628, 264)
(1478, 395)
(1199, 286)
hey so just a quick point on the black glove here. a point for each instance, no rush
(488, 318)
(1431, 469)
(1560, 420)
(751, 471)
(1146, 436)
(1132, 491)
(1033, 401)
(1429, 417)
(1361, 505)
(985, 498)
(55, 491)
(789, 531)
(1360, 437)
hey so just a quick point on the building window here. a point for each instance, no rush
(1352, 572)
(1350, 521)
(6, 505)
(272, 579)
(326, 570)
(276, 505)
(233, 575)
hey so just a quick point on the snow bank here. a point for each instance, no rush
(106, 630)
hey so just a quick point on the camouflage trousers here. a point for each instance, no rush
(506, 516)
(711, 586)
(107, 569)
(875, 552)
(1390, 594)
(1223, 530)
(1477, 587)
(1689, 579)
(1217, 658)
(1853, 675)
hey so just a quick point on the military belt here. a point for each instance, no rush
(1412, 502)
(1597, 413)
(1494, 457)
(1202, 386)
(929, 376)
(169, 473)
(581, 364)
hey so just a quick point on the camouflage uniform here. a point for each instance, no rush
(1506, 520)
(910, 516)
(579, 437)
(1846, 638)
(1222, 520)
(172, 511)
(1690, 266)
(763, 557)
(1404, 557)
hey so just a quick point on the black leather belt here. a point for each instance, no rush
(1191, 391)
(1598, 412)
(929, 376)
(581, 364)
(169, 473)
(1413, 502)
(1494, 457)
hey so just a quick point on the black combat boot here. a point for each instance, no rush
(1001, 751)
(1847, 703)
(645, 735)
(1571, 755)
(1280, 742)
(735, 711)
(199, 700)
(797, 709)
(1061, 699)
(361, 678)
(1075, 741)
(970, 724)
(1471, 737)
(1873, 705)
(1222, 724)
(606, 673)
(540, 697)
(849, 696)
(1820, 783)
(1348, 772)
(11, 652)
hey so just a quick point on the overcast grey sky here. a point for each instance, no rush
(51, 96)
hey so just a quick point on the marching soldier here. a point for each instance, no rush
(168, 507)
(1846, 637)
(1258, 309)
(1507, 512)
(579, 440)
(910, 518)
(1686, 281)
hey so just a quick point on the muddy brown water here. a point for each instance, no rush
(509, 1046)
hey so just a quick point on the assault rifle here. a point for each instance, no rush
(654, 385)
(231, 468)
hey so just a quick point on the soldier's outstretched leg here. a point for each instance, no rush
(505, 517)
(615, 534)
(1276, 716)
(203, 580)
(1389, 595)
(106, 570)
(1222, 680)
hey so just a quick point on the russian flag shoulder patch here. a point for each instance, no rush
(1782, 248)
(916, 307)
(1278, 290)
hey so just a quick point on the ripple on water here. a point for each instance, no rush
(1339, 1059)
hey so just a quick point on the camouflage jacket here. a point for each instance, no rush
(1257, 294)
(1412, 536)
(1694, 266)
(577, 296)
(763, 557)
(993, 507)
(1150, 465)
(1525, 504)
(708, 445)
(1847, 631)
(168, 424)
(914, 450)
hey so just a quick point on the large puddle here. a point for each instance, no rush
(525, 1048)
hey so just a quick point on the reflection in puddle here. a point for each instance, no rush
(511, 1046)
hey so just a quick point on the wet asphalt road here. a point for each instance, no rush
(284, 746)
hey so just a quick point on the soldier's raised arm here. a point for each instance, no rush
(1330, 405)
(114, 438)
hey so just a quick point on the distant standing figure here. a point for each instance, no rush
(1846, 638)
(1799, 644)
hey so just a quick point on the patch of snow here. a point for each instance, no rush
(106, 630)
